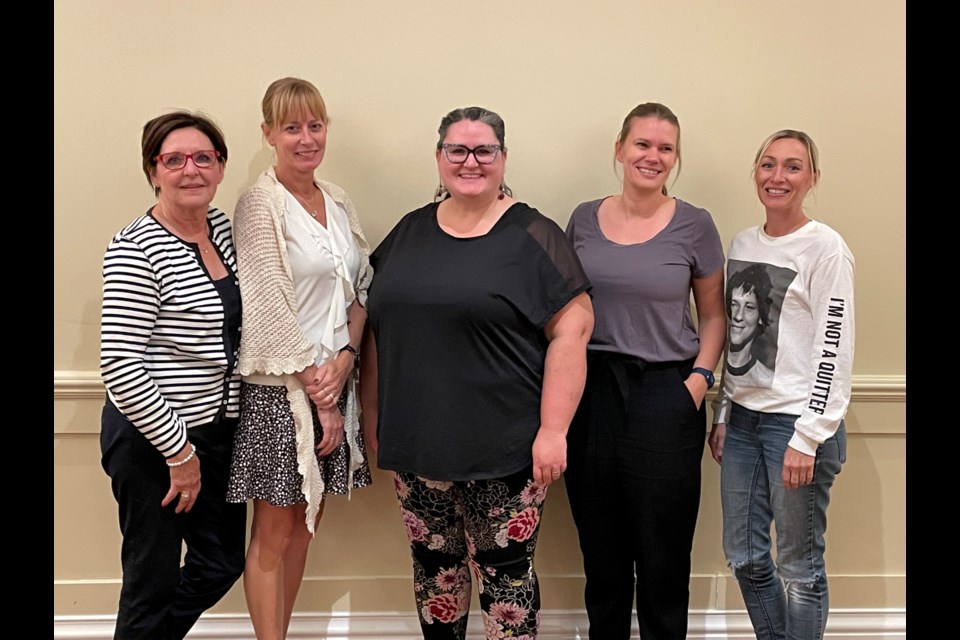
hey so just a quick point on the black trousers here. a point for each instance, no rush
(633, 480)
(160, 599)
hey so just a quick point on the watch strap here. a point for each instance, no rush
(707, 375)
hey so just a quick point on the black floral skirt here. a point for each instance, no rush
(264, 464)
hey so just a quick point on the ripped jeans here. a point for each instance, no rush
(788, 599)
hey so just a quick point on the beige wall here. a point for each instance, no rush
(562, 74)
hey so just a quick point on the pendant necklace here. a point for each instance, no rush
(306, 204)
(173, 228)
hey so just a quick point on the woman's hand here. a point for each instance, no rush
(797, 468)
(332, 422)
(184, 481)
(717, 435)
(329, 381)
(549, 457)
(697, 388)
(565, 370)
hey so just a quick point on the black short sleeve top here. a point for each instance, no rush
(459, 325)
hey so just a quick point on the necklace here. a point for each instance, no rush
(173, 227)
(307, 204)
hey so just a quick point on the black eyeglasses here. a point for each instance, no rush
(458, 153)
(175, 160)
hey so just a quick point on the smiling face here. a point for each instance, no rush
(648, 153)
(188, 188)
(744, 318)
(300, 141)
(783, 175)
(471, 179)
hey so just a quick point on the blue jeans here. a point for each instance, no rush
(788, 599)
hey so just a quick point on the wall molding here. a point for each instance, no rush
(879, 388)
(865, 624)
(78, 385)
(87, 385)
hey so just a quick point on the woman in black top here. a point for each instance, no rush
(480, 320)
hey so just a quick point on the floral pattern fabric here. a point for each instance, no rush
(481, 532)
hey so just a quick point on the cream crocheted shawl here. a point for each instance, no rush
(271, 340)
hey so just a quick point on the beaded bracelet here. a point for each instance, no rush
(189, 457)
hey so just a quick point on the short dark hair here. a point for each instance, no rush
(753, 279)
(155, 131)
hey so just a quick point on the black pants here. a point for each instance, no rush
(160, 599)
(633, 479)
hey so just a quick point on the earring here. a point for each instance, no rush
(441, 193)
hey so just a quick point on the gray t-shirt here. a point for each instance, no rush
(641, 292)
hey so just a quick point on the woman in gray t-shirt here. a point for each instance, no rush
(633, 475)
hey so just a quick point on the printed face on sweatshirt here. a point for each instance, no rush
(744, 318)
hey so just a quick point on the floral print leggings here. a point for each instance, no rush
(484, 530)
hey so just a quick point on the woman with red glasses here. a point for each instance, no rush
(168, 351)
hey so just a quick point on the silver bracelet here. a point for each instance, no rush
(189, 457)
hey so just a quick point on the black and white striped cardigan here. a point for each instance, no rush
(163, 343)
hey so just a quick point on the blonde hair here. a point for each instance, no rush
(292, 95)
(813, 155)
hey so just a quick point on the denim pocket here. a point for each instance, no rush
(741, 417)
(841, 437)
(833, 451)
(786, 420)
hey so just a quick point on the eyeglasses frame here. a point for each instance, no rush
(187, 156)
(447, 145)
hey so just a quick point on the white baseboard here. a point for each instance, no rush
(865, 624)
